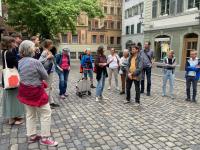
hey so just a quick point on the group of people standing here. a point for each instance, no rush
(36, 64)
(136, 65)
(132, 67)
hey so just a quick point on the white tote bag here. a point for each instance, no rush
(10, 76)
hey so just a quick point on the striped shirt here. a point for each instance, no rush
(31, 71)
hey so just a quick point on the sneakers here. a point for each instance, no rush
(187, 99)
(34, 139)
(117, 88)
(92, 86)
(53, 105)
(48, 142)
(122, 92)
(148, 94)
(97, 99)
(66, 95)
(104, 98)
(109, 88)
(62, 97)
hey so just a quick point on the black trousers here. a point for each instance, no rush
(147, 72)
(129, 83)
(191, 80)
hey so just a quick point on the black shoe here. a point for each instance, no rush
(53, 105)
(121, 93)
(92, 86)
(148, 94)
(187, 99)
(141, 92)
(194, 101)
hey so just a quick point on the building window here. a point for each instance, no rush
(164, 7)
(101, 39)
(130, 11)
(154, 9)
(105, 24)
(118, 25)
(96, 24)
(141, 8)
(73, 55)
(132, 29)
(193, 4)
(74, 38)
(112, 10)
(118, 40)
(127, 29)
(64, 38)
(94, 39)
(112, 40)
(118, 11)
(105, 10)
(89, 25)
(172, 7)
(135, 10)
(180, 4)
(112, 25)
(139, 28)
(126, 14)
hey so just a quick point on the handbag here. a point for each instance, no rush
(11, 76)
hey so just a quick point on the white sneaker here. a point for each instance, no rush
(97, 99)
(109, 88)
(117, 88)
(104, 98)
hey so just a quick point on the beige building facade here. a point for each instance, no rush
(91, 33)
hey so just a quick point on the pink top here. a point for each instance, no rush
(64, 65)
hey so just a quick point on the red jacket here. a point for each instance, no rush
(32, 95)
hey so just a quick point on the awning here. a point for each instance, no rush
(162, 39)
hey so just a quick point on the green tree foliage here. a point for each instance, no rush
(49, 17)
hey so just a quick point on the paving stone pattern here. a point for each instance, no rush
(84, 124)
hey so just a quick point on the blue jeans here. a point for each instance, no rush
(100, 85)
(89, 73)
(168, 75)
(63, 78)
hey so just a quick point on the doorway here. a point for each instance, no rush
(162, 46)
(190, 43)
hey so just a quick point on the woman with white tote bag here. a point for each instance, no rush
(13, 110)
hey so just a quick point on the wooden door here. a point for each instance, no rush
(189, 44)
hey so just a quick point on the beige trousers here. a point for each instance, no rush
(115, 72)
(49, 88)
(44, 114)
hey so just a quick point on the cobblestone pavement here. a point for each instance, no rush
(83, 124)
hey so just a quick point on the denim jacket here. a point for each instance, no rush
(58, 61)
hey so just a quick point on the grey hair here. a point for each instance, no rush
(26, 48)
(125, 51)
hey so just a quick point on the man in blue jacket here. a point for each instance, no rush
(192, 69)
(87, 64)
